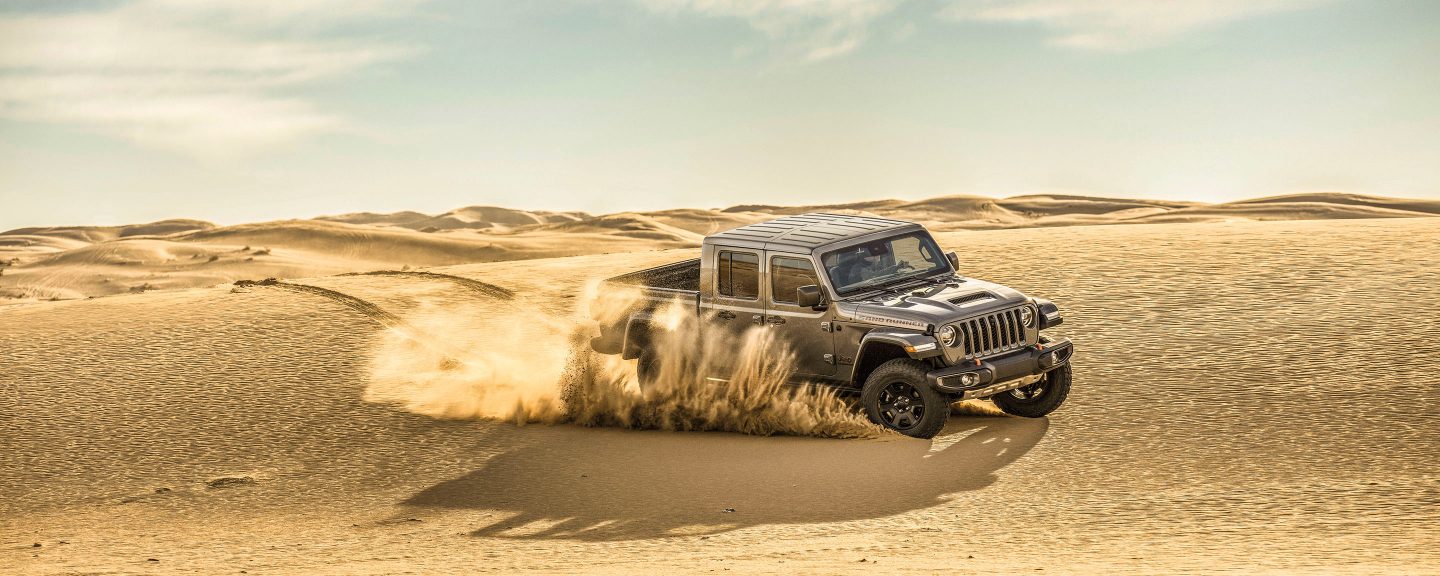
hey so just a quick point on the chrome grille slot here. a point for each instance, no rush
(991, 334)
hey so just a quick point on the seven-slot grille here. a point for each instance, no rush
(992, 334)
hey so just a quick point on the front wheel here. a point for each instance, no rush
(898, 396)
(1037, 399)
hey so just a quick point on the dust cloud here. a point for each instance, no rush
(514, 362)
(463, 361)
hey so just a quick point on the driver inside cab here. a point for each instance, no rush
(865, 262)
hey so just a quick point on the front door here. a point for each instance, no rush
(806, 331)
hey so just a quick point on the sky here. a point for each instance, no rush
(245, 110)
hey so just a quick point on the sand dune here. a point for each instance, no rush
(216, 430)
(17, 244)
(946, 213)
(1403, 204)
(103, 233)
(1278, 209)
(78, 261)
(979, 212)
(468, 218)
(65, 268)
(704, 222)
(631, 225)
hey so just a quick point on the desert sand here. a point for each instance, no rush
(1251, 396)
(72, 262)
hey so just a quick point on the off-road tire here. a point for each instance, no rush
(934, 406)
(647, 369)
(1056, 388)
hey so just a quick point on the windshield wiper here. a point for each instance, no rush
(889, 284)
(944, 279)
(936, 284)
(874, 285)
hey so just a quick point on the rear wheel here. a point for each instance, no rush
(647, 370)
(899, 397)
(1037, 399)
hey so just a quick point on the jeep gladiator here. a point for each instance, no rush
(887, 315)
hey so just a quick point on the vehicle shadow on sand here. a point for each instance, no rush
(606, 484)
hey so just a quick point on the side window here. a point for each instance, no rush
(787, 274)
(738, 275)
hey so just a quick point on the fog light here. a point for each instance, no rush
(969, 379)
(1050, 359)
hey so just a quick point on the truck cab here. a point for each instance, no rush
(866, 304)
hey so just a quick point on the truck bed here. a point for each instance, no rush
(659, 286)
(683, 275)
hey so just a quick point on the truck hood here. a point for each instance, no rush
(918, 308)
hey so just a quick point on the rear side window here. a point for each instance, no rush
(738, 275)
(787, 274)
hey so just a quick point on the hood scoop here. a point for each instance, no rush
(975, 298)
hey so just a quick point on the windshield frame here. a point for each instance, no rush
(872, 285)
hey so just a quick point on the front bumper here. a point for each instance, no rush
(995, 375)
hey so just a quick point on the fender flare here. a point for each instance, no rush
(900, 339)
(1049, 314)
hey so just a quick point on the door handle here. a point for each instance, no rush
(725, 315)
(758, 319)
(775, 319)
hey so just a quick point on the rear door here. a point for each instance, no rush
(806, 331)
(736, 304)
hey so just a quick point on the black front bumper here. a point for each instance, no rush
(1001, 373)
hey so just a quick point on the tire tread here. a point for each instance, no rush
(937, 406)
(1056, 391)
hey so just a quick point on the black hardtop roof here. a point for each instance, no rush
(807, 231)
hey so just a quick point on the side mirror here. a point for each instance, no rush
(954, 260)
(808, 296)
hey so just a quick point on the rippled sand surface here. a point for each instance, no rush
(1249, 398)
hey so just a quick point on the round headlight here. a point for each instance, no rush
(1027, 316)
(947, 335)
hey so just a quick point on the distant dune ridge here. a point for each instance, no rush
(67, 262)
(469, 218)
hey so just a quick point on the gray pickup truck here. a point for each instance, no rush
(888, 315)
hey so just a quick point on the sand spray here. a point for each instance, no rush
(517, 362)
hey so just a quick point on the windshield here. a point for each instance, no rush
(855, 268)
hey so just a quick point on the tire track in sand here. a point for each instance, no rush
(368, 309)
(382, 317)
(476, 286)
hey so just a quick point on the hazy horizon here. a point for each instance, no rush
(118, 112)
(222, 222)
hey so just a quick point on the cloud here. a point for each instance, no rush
(205, 77)
(1116, 24)
(811, 30)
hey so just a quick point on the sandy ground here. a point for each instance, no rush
(1250, 397)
